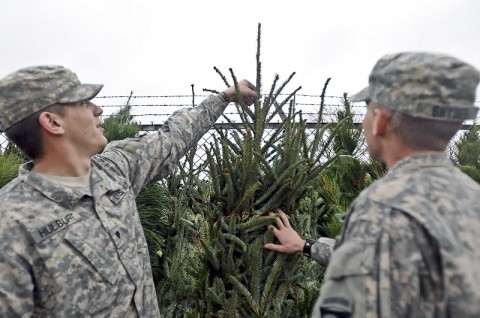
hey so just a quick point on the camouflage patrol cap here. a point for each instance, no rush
(31, 89)
(426, 85)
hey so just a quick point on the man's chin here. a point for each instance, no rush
(101, 148)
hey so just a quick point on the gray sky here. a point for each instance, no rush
(156, 47)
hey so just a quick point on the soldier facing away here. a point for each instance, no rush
(409, 246)
(71, 242)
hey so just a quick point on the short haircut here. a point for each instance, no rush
(27, 134)
(423, 134)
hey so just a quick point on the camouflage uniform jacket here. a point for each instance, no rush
(409, 247)
(66, 254)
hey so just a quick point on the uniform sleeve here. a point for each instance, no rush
(378, 271)
(16, 285)
(349, 288)
(322, 250)
(154, 156)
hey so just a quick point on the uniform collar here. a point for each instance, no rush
(66, 196)
(58, 193)
(417, 161)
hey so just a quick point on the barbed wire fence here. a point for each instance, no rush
(151, 111)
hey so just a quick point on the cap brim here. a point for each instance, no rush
(81, 92)
(362, 96)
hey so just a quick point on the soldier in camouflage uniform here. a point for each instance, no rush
(71, 242)
(409, 246)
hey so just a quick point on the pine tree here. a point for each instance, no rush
(340, 183)
(10, 161)
(254, 169)
(468, 152)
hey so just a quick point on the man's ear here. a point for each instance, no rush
(51, 123)
(381, 120)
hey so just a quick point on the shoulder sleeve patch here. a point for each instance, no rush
(341, 307)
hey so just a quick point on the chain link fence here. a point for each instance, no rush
(151, 111)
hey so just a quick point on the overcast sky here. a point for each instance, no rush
(156, 47)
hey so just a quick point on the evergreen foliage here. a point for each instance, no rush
(121, 124)
(340, 183)
(346, 141)
(180, 261)
(468, 152)
(10, 161)
(253, 170)
(154, 206)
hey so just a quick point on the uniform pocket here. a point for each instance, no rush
(102, 265)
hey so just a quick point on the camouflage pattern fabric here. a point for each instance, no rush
(321, 250)
(33, 88)
(409, 247)
(64, 254)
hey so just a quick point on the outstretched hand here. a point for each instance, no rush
(290, 241)
(247, 90)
